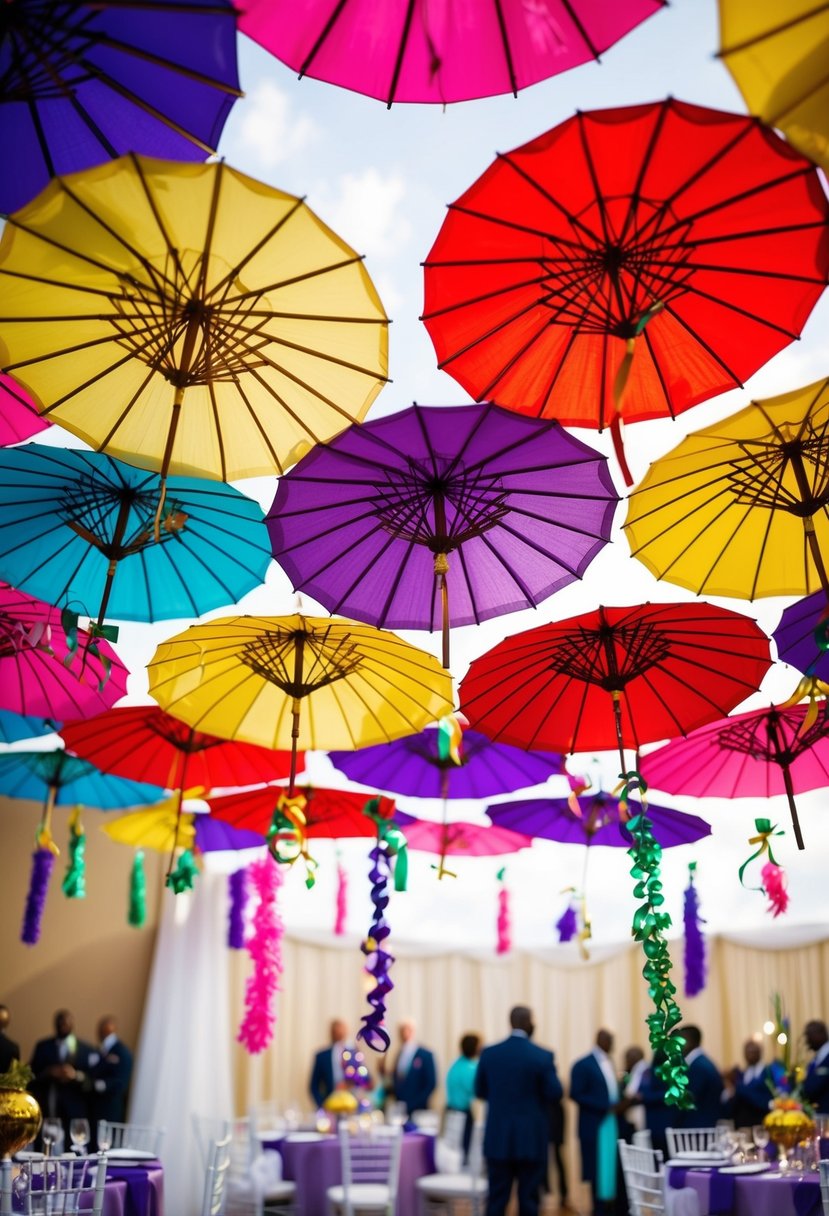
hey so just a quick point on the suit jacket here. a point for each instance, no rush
(588, 1089)
(64, 1099)
(750, 1103)
(9, 1052)
(519, 1082)
(416, 1088)
(815, 1086)
(658, 1115)
(110, 1073)
(322, 1077)
(706, 1086)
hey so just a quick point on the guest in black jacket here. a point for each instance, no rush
(61, 1067)
(110, 1072)
(9, 1050)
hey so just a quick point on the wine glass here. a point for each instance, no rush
(104, 1136)
(50, 1133)
(760, 1136)
(79, 1134)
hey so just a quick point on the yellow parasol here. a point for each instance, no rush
(188, 318)
(299, 682)
(741, 508)
(158, 827)
(778, 55)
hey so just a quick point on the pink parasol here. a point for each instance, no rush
(459, 839)
(19, 418)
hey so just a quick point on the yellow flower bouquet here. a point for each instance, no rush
(788, 1123)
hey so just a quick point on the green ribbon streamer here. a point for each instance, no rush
(389, 833)
(137, 912)
(649, 925)
(74, 880)
(183, 876)
(764, 830)
(69, 623)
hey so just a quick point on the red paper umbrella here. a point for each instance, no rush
(144, 742)
(629, 263)
(616, 677)
(329, 814)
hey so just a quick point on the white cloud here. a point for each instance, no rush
(270, 129)
(366, 212)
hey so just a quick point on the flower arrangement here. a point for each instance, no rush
(789, 1120)
(789, 1123)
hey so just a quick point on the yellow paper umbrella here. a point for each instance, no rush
(777, 54)
(188, 318)
(299, 682)
(158, 827)
(741, 508)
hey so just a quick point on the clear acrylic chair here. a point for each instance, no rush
(207, 1129)
(50, 1186)
(215, 1178)
(135, 1136)
(370, 1170)
(467, 1187)
(824, 1186)
(690, 1140)
(255, 1186)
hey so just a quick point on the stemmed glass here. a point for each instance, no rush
(50, 1133)
(79, 1134)
(104, 1136)
(760, 1136)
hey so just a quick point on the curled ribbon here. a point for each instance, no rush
(183, 876)
(381, 811)
(628, 782)
(765, 831)
(816, 690)
(109, 633)
(287, 837)
(74, 880)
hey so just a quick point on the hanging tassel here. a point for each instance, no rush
(265, 949)
(774, 880)
(342, 901)
(450, 739)
(74, 880)
(238, 891)
(378, 960)
(504, 922)
(183, 876)
(137, 911)
(568, 923)
(43, 861)
(694, 941)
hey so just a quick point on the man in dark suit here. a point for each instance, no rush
(705, 1082)
(816, 1082)
(519, 1082)
(751, 1087)
(595, 1089)
(327, 1071)
(415, 1073)
(61, 1070)
(110, 1070)
(9, 1050)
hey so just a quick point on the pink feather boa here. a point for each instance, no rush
(504, 922)
(342, 901)
(773, 879)
(264, 946)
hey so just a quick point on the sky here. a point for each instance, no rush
(381, 179)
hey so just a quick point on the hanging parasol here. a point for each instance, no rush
(627, 265)
(83, 82)
(616, 676)
(777, 55)
(802, 637)
(329, 814)
(459, 839)
(741, 508)
(439, 52)
(47, 672)
(758, 754)
(19, 418)
(56, 778)
(160, 828)
(14, 727)
(195, 322)
(442, 515)
(600, 822)
(299, 682)
(214, 836)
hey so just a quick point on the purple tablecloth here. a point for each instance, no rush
(315, 1166)
(769, 1194)
(145, 1186)
(115, 1198)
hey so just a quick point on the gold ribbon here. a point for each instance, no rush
(815, 690)
(287, 836)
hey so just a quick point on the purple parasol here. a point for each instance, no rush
(414, 766)
(599, 824)
(442, 515)
(83, 82)
(802, 636)
(215, 836)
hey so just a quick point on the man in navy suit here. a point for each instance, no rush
(61, 1071)
(518, 1081)
(815, 1086)
(327, 1072)
(110, 1070)
(752, 1087)
(415, 1074)
(595, 1088)
(705, 1082)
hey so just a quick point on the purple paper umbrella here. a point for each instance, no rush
(215, 836)
(414, 766)
(802, 636)
(83, 82)
(442, 515)
(600, 822)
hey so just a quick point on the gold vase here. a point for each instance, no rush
(20, 1120)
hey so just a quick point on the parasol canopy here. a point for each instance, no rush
(399, 50)
(439, 516)
(328, 814)
(460, 839)
(68, 780)
(19, 418)
(14, 727)
(802, 637)
(599, 822)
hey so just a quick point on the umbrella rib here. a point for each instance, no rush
(401, 51)
(766, 35)
(345, 264)
(505, 46)
(689, 287)
(574, 221)
(495, 294)
(594, 180)
(644, 164)
(225, 282)
(582, 29)
(45, 151)
(659, 373)
(175, 66)
(321, 37)
(303, 426)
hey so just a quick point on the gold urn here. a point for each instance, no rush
(340, 1102)
(20, 1120)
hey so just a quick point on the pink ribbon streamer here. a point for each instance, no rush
(342, 901)
(264, 946)
(504, 923)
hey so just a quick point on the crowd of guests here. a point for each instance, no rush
(74, 1079)
(525, 1114)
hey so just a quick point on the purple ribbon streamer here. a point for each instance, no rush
(378, 961)
(567, 924)
(238, 890)
(43, 861)
(694, 943)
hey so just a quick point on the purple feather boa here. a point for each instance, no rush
(694, 941)
(43, 862)
(238, 890)
(567, 924)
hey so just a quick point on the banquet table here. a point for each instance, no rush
(314, 1165)
(144, 1183)
(767, 1194)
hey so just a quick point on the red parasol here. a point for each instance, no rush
(329, 814)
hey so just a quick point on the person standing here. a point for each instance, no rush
(110, 1071)
(518, 1080)
(631, 1079)
(327, 1071)
(751, 1087)
(816, 1082)
(595, 1089)
(415, 1073)
(460, 1084)
(704, 1082)
(61, 1067)
(9, 1050)
(555, 1127)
